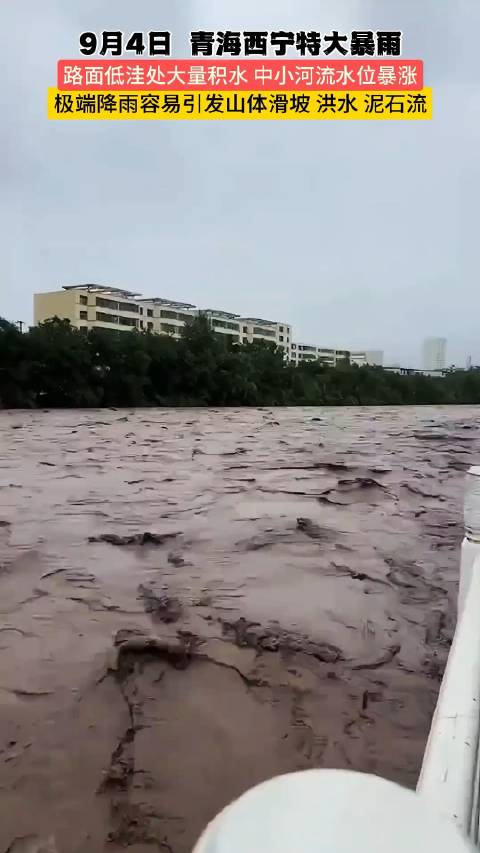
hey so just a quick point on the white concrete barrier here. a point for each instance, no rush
(449, 777)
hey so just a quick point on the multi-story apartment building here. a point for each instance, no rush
(168, 316)
(367, 357)
(223, 322)
(94, 306)
(253, 329)
(89, 306)
(311, 352)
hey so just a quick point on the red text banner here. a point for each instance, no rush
(271, 75)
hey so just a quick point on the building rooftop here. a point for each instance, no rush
(226, 314)
(259, 321)
(171, 303)
(99, 288)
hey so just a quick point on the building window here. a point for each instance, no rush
(83, 315)
(149, 326)
(280, 337)
(222, 324)
(83, 300)
(141, 310)
(128, 321)
(126, 306)
(106, 318)
(106, 303)
(281, 328)
(245, 330)
(264, 333)
(149, 312)
(173, 315)
(116, 306)
(168, 328)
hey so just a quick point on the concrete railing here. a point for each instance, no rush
(341, 811)
(450, 774)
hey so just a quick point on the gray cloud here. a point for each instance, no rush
(359, 234)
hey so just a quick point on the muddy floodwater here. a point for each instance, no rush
(195, 600)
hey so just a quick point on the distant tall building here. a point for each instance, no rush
(433, 353)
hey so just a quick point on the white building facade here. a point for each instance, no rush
(370, 357)
(312, 352)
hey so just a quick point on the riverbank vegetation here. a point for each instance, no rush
(55, 365)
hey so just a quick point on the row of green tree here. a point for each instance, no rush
(55, 364)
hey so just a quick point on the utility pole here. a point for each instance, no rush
(20, 325)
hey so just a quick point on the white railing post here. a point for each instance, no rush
(471, 541)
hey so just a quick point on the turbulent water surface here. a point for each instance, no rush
(195, 600)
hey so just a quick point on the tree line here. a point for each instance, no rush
(57, 365)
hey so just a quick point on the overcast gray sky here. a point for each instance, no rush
(360, 234)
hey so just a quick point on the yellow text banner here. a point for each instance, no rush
(238, 105)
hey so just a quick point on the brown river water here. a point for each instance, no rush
(193, 601)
